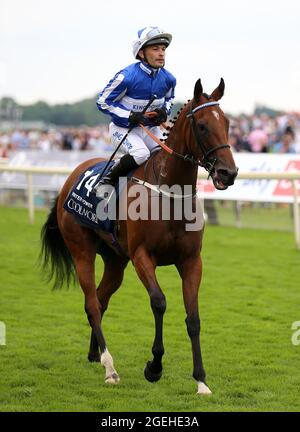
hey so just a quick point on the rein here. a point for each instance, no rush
(205, 161)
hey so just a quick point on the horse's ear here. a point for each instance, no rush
(219, 91)
(198, 90)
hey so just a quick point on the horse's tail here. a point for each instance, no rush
(55, 258)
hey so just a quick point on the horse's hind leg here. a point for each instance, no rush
(111, 280)
(145, 268)
(85, 268)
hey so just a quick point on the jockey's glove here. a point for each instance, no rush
(136, 118)
(160, 118)
(155, 118)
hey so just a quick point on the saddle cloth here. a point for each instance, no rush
(82, 202)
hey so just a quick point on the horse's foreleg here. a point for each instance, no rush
(145, 268)
(190, 272)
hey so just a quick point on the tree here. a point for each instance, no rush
(83, 112)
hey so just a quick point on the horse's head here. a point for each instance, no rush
(210, 130)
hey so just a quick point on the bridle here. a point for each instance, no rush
(205, 161)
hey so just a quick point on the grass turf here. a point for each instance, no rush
(249, 299)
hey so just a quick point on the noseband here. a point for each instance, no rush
(206, 162)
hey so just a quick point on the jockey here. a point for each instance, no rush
(127, 94)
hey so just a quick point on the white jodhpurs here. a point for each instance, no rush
(138, 144)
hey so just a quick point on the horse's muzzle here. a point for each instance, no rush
(224, 177)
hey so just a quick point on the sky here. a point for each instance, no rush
(65, 50)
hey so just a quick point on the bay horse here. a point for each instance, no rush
(198, 137)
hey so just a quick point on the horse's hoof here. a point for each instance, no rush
(112, 379)
(150, 375)
(203, 389)
(94, 358)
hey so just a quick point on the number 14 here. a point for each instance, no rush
(88, 183)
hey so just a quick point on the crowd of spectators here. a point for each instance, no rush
(84, 138)
(256, 133)
(265, 134)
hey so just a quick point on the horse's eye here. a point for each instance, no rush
(202, 127)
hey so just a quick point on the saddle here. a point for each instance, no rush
(84, 205)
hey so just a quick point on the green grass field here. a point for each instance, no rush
(249, 299)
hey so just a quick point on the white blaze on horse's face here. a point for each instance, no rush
(216, 114)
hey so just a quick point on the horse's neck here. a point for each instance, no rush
(174, 170)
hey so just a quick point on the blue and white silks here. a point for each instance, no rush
(131, 90)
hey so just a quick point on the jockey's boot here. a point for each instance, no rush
(105, 187)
